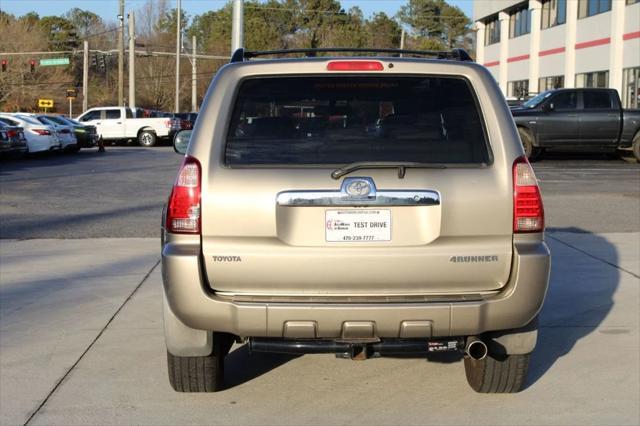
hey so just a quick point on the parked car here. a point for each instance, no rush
(182, 121)
(117, 124)
(577, 119)
(12, 140)
(67, 136)
(296, 232)
(39, 137)
(86, 135)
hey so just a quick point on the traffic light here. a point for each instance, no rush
(101, 62)
(32, 65)
(4, 65)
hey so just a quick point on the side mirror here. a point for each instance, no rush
(181, 141)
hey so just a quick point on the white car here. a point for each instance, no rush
(40, 137)
(118, 123)
(65, 132)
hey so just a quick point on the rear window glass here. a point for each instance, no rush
(345, 119)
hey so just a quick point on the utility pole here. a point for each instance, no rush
(236, 26)
(132, 61)
(85, 77)
(121, 55)
(194, 81)
(178, 43)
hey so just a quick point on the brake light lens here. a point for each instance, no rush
(41, 132)
(355, 66)
(12, 133)
(183, 209)
(528, 211)
(167, 123)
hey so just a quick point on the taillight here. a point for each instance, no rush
(41, 132)
(183, 210)
(12, 133)
(167, 123)
(528, 211)
(355, 66)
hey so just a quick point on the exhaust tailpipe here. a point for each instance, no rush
(476, 348)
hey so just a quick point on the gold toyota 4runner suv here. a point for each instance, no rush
(357, 205)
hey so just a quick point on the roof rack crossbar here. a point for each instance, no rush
(241, 54)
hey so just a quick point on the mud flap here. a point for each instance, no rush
(182, 340)
(518, 341)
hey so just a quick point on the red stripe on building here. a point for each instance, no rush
(629, 36)
(551, 51)
(518, 58)
(492, 64)
(593, 43)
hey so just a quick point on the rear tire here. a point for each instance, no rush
(147, 138)
(532, 152)
(497, 374)
(200, 373)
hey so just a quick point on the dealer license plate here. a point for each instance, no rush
(357, 225)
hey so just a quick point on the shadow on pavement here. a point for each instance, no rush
(579, 298)
(241, 366)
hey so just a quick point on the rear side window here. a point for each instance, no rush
(112, 114)
(340, 120)
(596, 100)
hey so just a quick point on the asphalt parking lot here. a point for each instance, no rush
(81, 329)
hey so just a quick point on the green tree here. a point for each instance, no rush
(382, 32)
(61, 32)
(84, 21)
(435, 20)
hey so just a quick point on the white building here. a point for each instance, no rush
(534, 45)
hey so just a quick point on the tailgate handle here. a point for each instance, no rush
(358, 191)
(382, 198)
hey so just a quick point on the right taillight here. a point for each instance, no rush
(183, 209)
(528, 211)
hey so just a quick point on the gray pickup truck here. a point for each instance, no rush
(577, 119)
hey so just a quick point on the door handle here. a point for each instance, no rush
(119, 122)
(572, 115)
(98, 122)
(612, 115)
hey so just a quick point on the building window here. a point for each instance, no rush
(593, 7)
(492, 32)
(554, 12)
(519, 22)
(518, 88)
(548, 83)
(593, 79)
(631, 87)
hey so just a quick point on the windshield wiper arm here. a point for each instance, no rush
(401, 166)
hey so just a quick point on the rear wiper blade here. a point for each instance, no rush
(401, 166)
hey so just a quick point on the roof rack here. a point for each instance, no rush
(240, 55)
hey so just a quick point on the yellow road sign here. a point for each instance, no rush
(45, 103)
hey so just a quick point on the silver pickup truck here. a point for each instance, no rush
(358, 205)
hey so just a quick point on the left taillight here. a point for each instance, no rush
(528, 211)
(183, 209)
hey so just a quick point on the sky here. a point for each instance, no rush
(108, 9)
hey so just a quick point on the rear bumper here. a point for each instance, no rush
(515, 306)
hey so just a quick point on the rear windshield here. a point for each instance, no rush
(346, 119)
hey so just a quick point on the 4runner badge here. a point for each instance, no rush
(227, 259)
